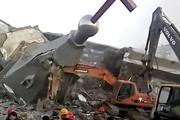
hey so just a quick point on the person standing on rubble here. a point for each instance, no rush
(12, 115)
(66, 115)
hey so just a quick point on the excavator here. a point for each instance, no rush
(168, 101)
(124, 93)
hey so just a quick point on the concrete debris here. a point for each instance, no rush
(85, 105)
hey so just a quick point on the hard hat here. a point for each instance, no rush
(10, 110)
(64, 111)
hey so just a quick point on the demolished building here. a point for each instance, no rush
(30, 56)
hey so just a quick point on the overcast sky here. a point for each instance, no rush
(118, 27)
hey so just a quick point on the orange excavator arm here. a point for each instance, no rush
(92, 71)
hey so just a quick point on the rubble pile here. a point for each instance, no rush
(81, 107)
(86, 104)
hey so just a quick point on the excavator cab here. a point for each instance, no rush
(126, 93)
(126, 90)
(168, 103)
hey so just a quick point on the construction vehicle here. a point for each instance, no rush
(169, 93)
(25, 75)
(125, 93)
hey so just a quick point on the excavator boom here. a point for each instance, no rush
(160, 23)
(93, 71)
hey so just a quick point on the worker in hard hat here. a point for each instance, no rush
(12, 115)
(65, 114)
